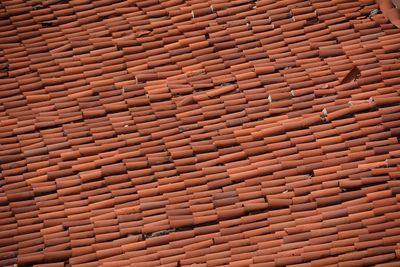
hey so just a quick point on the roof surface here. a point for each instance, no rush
(213, 133)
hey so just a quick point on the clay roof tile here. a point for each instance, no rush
(240, 133)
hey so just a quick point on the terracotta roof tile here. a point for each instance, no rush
(173, 133)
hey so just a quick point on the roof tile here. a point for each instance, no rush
(157, 134)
